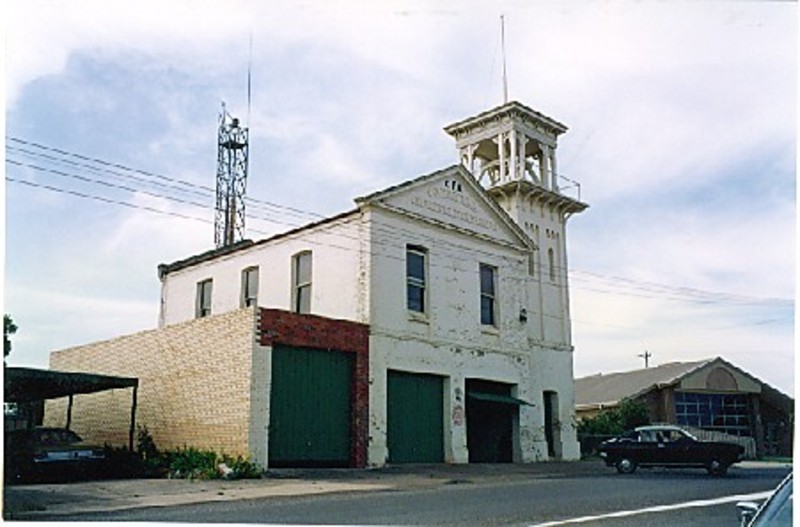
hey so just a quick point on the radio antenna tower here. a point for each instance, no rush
(232, 157)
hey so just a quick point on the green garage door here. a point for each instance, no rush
(415, 418)
(309, 421)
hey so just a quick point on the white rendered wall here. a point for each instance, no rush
(338, 275)
(359, 274)
(450, 341)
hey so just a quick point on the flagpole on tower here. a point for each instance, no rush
(503, 47)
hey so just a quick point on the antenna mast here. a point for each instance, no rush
(249, 70)
(232, 159)
(503, 46)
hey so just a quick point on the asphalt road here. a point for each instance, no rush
(517, 502)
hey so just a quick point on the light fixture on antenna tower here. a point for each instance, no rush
(232, 159)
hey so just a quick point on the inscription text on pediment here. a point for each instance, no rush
(454, 205)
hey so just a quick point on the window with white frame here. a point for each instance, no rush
(416, 281)
(488, 279)
(203, 300)
(249, 295)
(301, 279)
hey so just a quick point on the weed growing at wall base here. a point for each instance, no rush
(192, 463)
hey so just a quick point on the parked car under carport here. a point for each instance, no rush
(52, 445)
(49, 452)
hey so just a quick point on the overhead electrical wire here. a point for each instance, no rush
(613, 285)
(389, 242)
(179, 182)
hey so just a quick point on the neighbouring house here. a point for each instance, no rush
(430, 323)
(709, 397)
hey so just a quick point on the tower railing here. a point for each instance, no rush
(569, 187)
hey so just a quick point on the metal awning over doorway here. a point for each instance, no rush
(30, 384)
(498, 398)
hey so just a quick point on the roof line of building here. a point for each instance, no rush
(508, 107)
(165, 269)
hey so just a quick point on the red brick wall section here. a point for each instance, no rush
(310, 331)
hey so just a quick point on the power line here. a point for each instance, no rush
(388, 242)
(572, 321)
(107, 184)
(618, 285)
(104, 199)
(160, 177)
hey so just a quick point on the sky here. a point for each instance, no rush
(682, 122)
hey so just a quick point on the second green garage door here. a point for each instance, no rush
(309, 422)
(415, 416)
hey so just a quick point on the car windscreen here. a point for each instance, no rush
(778, 510)
(57, 437)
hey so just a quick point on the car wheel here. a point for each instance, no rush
(717, 468)
(626, 466)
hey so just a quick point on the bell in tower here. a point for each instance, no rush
(511, 152)
(508, 144)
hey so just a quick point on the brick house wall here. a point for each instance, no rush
(205, 383)
(194, 385)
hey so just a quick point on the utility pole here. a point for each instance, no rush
(646, 356)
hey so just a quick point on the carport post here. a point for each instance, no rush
(69, 412)
(133, 420)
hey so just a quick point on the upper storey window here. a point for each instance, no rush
(301, 279)
(416, 281)
(249, 295)
(488, 277)
(203, 299)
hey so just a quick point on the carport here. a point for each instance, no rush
(28, 384)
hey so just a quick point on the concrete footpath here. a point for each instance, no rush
(27, 502)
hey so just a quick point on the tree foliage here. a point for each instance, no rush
(9, 328)
(614, 421)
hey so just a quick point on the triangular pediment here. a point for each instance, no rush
(720, 376)
(450, 197)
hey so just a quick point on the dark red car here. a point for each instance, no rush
(667, 446)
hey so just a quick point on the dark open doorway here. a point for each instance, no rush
(552, 427)
(490, 421)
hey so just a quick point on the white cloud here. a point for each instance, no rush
(78, 320)
(667, 108)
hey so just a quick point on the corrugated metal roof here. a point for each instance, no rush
(30, 384)
(613, 387)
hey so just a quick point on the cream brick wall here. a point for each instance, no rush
(194, 385)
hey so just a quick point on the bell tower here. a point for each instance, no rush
(511, 152)
(509, 143)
